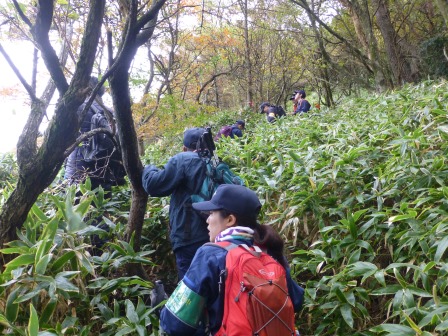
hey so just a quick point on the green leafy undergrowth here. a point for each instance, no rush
(359, 193)
(57, 283)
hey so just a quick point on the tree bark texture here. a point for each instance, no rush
(119, 84)
(402, 68)
(361, 18)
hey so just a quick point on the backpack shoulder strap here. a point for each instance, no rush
(255, 250)
(228, 246)
(224, 245)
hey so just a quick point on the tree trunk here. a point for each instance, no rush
(129, 146)
(402, 69)
(119, 84)
(247, 58)
(39, 166)
(325, 60)
(359, 12)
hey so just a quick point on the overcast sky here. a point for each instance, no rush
(14, 102)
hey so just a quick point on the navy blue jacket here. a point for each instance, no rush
(181, 177)
(303, 107)
(236, 132)
(203, 278)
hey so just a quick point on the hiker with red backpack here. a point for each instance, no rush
(239, 284)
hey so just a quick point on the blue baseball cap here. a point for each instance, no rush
(235, 199)
(192, 136)
(263, 105)
(241, 122)
(302, 92)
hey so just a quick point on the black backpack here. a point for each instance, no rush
(280, 111)
(100, 152)
(100, 145)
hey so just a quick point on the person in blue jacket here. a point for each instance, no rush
(233, 212)
(181, 178)
(300, 103)
(238, 128)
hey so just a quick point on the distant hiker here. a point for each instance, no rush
(264, 107)
(273, 112)
(235, 130)
(97, 157)
(240, 283)
(181, 178)
(301, 105)
(224, 132)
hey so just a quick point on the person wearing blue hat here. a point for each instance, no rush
(232, 131)
(301, 105)
(264, 107)
(238, 128)
(181, 177)
(232, 217)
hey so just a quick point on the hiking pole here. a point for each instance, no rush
(210, 144)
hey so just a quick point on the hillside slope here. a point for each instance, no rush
(360, 195)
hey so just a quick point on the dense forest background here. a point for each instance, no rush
(357, 188)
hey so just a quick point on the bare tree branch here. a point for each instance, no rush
(212, 79)
(84, 136)
(21, 14)
(27, 87)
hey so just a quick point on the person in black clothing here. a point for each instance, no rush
(264, 107)
(272, 112)
(106, 168)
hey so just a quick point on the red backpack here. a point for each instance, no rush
(256, 300)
